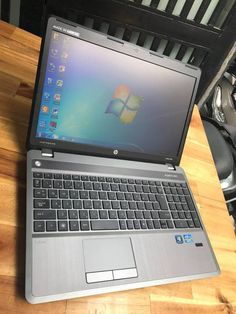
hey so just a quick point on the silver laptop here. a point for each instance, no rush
(108, 207)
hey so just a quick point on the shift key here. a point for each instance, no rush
(44, 214)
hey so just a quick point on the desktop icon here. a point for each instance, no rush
(53, 124)
(59, 83)
(42, 124)
(55, 36)
(46, 96)
(124, 104)
(45, 109)
(51, 67)
(55, 111)
(61, 68)
(49, 81)
(64, 55)
(57, 98)
(54, 52)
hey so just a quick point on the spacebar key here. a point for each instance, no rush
(104, 225)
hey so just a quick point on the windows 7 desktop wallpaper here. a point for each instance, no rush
(97, 96)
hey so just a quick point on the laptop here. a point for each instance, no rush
(108, 207)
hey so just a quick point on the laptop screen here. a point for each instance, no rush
(97, 96)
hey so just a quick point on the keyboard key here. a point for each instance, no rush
(47, 183)
(154, 214)
(84, 194)
(48, 175)
(138, 181)
(84, 178)
(121, 214)
(132, 205)
(74, 225)
(108, 179)
(106, 186)
(156, 224)
(115, 204)
(102, 195)
(114, 187)
(190, 224)
(116, 180)
(147, 214)
(87, 204)
(62, 226)
(187, 215)
(66, 176)
(56, 204)
(74, 194)
(181, 215)
(140, 205)
(40, 193)
(190, 203)
(137, 197)
(93, 214)
(104, 225)
(163, 224)
(83, 214)
(73, 214)
(124, 205)
(62, 214)
(52, 193)
(138, 189)
(37, 174)
(93, 195)
(111, 195)
(162, 201)
(130, 214)
(37, 183)
(112, 214)
(148, 206)
(68, 185)
(63, 193)
(39, 226)
(84, 225)
(103, 214)
(75, 177)
(93, 178)
(143, 224)
(97, 186)
(122, 224)
(174, 215)
(101, 179)
(149, 224)
(88, 185)
(122, 188)
(41, 203)
(128, 197)
(44, 214)
(106, 204)
(144, 197)
(97, 204)
(57, 176)
(77, 204)
(146, 189)
(130, 224)
(78, 185)
(130, 188)
(66, 204)
(57, 184)
(156, 206)
(136, 224)
(170, 224)
(51, 226)
(138, 214)
(180, 224)
(123, 180)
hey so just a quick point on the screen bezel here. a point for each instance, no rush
(63, 26)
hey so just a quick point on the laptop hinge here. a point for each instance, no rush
(170, 167)
(46, 152)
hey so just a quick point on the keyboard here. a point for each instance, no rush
(80, 203)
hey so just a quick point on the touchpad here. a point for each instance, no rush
(108, 259)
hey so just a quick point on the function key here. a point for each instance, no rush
(151, 182)
(108, 179)
(138, 181)
(37, 174)
(145, 182)
(84, 178)
(123, 180)
(172, 184)
(184, 185)
(131, 181)
(177, 185)
(57, 176)
(116, 180)
(66, 176)
(48, 175)
(101, 179)
(75, 177)
(165, 183)
(93, 178)
(158, 183)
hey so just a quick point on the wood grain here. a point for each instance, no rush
(18, 63)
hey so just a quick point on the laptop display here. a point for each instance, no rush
(100, 97)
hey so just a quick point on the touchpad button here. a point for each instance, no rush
(108, 259)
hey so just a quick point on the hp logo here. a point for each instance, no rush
(115, 152)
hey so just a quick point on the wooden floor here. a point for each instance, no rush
(18, 63)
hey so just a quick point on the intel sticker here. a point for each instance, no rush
(179, 239)
(188, 238)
